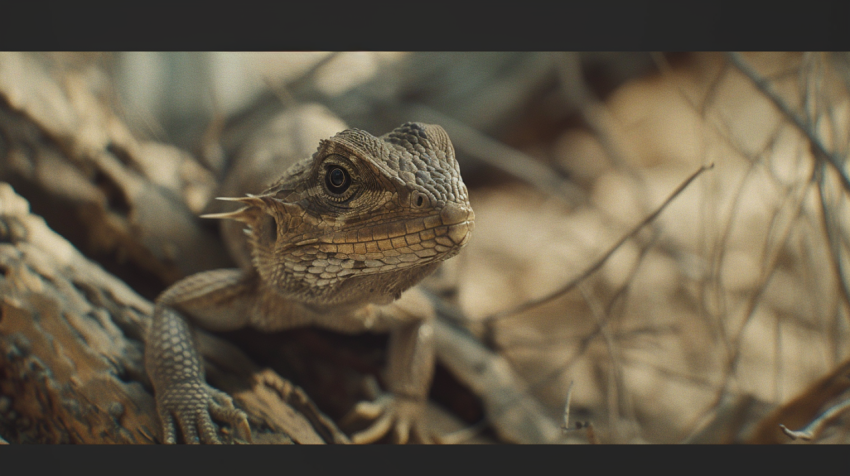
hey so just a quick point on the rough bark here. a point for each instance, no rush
(71, 333)
(71, 347)
(117, 198)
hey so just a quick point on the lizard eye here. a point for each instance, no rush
(337, 179)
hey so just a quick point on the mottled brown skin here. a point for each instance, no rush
(334, 242)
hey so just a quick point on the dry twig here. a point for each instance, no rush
(765, 86)
(599, 262)
(566, 424)
(811, 430)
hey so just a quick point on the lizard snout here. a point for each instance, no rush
(460, 222)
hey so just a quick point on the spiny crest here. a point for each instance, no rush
(246, 214)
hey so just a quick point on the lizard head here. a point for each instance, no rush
(361, 220)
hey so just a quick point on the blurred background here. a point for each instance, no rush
(721, 318)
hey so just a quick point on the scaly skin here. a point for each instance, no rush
(334, 242)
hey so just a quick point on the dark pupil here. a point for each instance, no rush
(337, 180)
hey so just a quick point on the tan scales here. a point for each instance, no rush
(336, 242)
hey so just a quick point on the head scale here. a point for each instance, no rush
(363, 219)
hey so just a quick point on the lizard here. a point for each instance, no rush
(337, 241)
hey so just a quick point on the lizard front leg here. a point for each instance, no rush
(410, 368)
(218, 300)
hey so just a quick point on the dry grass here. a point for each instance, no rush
(733, 302)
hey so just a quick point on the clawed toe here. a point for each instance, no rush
(389, 415)
(192, 412)
(375, 431)
(235, 417)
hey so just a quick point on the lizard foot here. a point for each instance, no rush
(193, 404)
(388, 412)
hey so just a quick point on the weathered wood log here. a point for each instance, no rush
(131, 204)
(71, 352)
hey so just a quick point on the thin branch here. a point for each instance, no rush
(833, 232)
(711, 90)
(284, 92)
(557, 340)
(765, 86)
(592, 110)
(812, 430)
(566, 424)
(511, 410)
(804, 407)
(599, 262)
(760, 288)
(615, 381)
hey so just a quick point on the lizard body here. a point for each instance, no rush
(336, 242)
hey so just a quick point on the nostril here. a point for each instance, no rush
(419, 201)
